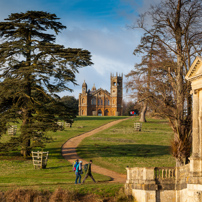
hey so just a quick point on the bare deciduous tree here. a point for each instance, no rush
(176, 34)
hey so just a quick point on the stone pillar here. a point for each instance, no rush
(200, 122)
(195, 133)
(194, 186)
(196, 158)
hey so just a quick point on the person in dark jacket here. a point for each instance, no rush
(88, 173)
(78, 172)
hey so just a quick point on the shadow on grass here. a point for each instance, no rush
(12, 155)
(58, 167)
(86, 118)
(54, 153)
(158, 121)
(130, 150)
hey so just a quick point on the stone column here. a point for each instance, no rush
(196, 158)
(195, 134)
(200, 123)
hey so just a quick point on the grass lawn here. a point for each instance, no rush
(121, 146)
(16, 172)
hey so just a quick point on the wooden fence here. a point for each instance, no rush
(40, 159)
(138, 126)
(12, 130)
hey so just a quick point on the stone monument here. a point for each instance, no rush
(194, 186)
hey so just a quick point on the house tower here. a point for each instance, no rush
(116, 94)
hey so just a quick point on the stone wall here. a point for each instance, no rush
(158, 184)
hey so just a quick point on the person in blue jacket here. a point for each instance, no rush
(75, 163)
(78, 172)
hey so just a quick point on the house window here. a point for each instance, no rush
(93, 101)
(106, 102)
(100, 101)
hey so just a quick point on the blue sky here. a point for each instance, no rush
(100, 26)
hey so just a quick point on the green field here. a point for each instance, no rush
(114, 148)
(16, 172)
(121, 146)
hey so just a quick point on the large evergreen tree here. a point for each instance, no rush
(32, 69)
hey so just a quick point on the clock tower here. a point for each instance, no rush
(84, 87)
(116, 94)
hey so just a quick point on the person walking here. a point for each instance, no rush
(88, 172)
(75, 163)
(78, 172)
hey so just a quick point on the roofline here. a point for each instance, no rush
(100, 89)
(192, 68)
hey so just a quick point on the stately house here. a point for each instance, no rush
(100, 102)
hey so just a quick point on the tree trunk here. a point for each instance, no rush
(25, 151)
(182, 163)
(179, 163)
(179, 77)
(143, 113)
(26, 113)
(25, 134)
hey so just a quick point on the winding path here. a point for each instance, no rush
(69, 152)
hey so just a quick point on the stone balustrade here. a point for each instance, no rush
(164, 172)
(152, 173)
(158, 175)
(158, 183)
(155, 181)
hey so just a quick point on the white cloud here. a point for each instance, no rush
(111, 47)
(112, 51)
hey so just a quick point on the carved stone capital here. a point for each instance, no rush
(195, 91)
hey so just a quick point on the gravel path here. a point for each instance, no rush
(69, 153)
